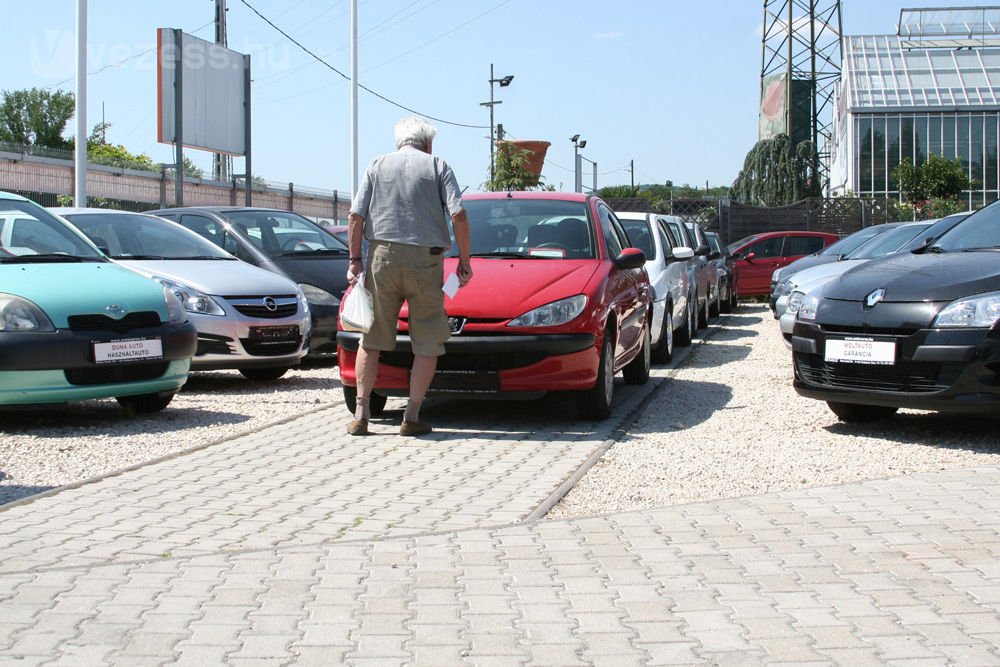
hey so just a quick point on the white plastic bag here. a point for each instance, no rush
(357, 313)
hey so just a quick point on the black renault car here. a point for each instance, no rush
(915, 329)
(285, 243)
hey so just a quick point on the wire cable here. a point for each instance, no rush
(363, 87)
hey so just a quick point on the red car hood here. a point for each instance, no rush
(502, 289)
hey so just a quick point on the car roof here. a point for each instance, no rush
(531, 194)
(632, 215)
(12, 197)
(70, 210)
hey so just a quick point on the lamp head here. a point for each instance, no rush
(583, 143)
(505, 81)
(574, 138)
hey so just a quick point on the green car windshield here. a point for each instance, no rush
(29, 234)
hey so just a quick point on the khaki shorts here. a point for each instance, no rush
(398, 272)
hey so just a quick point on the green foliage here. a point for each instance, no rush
(619, 192)
(509, 172)
(932, 189)
(35, 117)
(777, 173)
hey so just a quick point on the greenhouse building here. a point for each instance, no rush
(934, 88)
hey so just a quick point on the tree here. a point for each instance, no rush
(777, 173)
(35, 117)
(934, 186)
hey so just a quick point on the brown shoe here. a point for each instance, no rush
(358, 427)
(414, 428)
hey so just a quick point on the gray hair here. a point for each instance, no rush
(415, 132)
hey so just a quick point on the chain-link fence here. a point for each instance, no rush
(47, 175)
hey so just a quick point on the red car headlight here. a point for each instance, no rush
(552, 314)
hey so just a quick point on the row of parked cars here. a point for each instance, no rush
(97, 303)
(102, 303)
(899, 315)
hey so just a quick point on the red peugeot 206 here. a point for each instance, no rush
(559, 302)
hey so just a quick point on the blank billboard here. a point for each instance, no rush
(214, 93)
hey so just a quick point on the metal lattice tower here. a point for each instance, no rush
(802, 46)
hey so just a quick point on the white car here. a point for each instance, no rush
(667, 266)
(247, 318)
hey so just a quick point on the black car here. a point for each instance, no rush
(284, 243)
(914, 329)
(725, 264)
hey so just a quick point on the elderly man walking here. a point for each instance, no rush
(402, 207)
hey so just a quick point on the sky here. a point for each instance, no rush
(659, 89)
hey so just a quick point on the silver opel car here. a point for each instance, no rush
(247, 318)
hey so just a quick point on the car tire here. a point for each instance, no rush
(664, 350)
(596, 403)
(713, 308)
(857, 413)
(145, 404)
(376, 403)
(703, 314)
(637, 370)
(263, 374)
(726, 305)
(685, 334)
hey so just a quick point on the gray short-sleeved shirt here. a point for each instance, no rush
(407, 197)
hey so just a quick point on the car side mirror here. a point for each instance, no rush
(749, 256)
(683, 252)
(702, 250)
(715, 254)
(630, 258)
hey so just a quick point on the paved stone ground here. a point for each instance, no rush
(300, 545)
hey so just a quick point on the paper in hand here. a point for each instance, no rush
(451, 286)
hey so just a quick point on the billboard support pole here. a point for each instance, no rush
(246, 129)
(178, 121)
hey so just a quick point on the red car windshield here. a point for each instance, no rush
(533, 229)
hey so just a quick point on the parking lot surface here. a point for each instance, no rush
(297, 544)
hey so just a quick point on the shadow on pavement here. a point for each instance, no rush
(728, 354)
(9, 494)
(680, 404)
(944, 431)
(95, 417)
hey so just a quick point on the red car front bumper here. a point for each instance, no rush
(486, 366)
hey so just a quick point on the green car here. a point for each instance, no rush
(74, 325)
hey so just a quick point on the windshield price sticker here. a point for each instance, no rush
(128, 350)
(861, 351)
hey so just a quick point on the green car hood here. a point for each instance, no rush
(86, 288)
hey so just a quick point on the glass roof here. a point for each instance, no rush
(949, 27)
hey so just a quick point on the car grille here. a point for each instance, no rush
(471, 362)
(97, 322)
(869, 331)
(115, 374)
(909, 377)
(267, 348)
(283, 306)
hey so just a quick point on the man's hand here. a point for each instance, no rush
(354, 271)
(464, 272)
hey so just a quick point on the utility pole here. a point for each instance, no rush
(631, 171)
(222, 165)
(80, 150)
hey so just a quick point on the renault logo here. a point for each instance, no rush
(874, 297)
(456, 324)
(115, 311)
(270, 304)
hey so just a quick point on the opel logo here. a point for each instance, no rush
(270, 304)
(456, 324)
(874, 297)
(115, 311)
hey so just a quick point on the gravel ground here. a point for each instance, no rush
(64, 444)
(727, 423)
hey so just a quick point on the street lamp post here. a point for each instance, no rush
(577, 166)
(504, 82)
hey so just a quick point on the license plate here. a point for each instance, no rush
(284, 332)
(136, 349)
(861, 351)
(466, 382)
